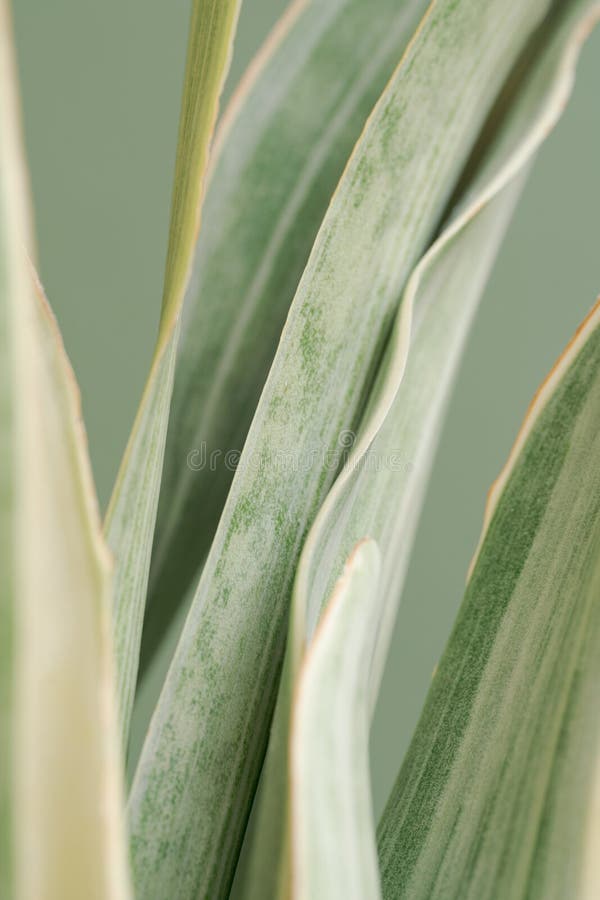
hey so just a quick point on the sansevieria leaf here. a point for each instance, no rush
(281, 150)
(490, 803)
(62, 831)
(199, 766)
(381, 488)
(132, 511)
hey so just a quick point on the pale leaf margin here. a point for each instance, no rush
(131, 515)
(62, 811)
(539, 402)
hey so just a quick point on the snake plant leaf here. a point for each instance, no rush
(380, 490)
(62, 830)
(497, 796)
(334, 854)
(282, 149)
(131, 515)
(189, 806)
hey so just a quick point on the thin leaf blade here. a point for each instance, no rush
(131, 515)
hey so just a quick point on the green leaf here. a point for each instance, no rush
(281, 150)
(497, 796)
(131, 515)
(62, 830)
(380, 490)
(333, 850)
(199, 766)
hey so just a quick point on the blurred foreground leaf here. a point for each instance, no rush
(62, 831)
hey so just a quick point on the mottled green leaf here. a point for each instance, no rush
(199, 766)
(380, 491)
(497, 792)
(281, 151)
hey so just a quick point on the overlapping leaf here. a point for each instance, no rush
(380, 490)
(198, 769)
(61, 814)
(281, 150)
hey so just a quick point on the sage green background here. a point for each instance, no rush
(101, 85)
